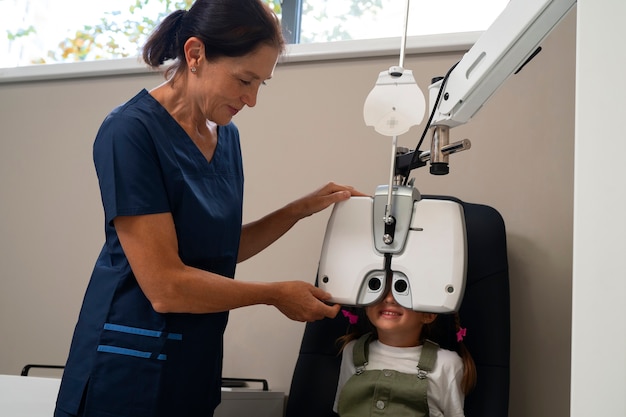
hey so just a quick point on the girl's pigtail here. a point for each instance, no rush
(469, 367)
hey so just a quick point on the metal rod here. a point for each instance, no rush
(394, 146)
(461, 145)
(404, 34)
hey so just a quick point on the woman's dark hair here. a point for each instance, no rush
(230, 28)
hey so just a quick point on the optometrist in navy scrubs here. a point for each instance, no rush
(149, 339)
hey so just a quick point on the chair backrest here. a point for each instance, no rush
(484, 313)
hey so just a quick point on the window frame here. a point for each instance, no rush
(291, 17)
(295, 53)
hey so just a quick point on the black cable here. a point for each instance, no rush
(430, 119)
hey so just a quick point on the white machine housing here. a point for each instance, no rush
(428, 268)
(502, 50)
(429, 258)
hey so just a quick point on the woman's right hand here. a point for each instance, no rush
(301, 301)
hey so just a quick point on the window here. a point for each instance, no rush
(55, 31)
(40, 32)
(312, 21)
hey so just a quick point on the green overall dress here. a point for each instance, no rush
(386, 392)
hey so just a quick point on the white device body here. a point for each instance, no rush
(430, 260)
(395, 104)
(428, 272)
(499, 52)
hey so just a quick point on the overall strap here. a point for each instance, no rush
(425, 365)
(386, 392)
(427, 358)
(360, 352)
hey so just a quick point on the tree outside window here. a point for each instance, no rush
(61, 31)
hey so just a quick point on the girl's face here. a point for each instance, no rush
(224, 86)
(397, 326)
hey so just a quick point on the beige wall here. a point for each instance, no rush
(306, 130)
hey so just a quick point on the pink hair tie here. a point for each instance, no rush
(461, 334)
(352, 318)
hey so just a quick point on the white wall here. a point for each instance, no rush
(307, 129)
(599, 278)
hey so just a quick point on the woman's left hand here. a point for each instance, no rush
(322, 198)
(258, 235)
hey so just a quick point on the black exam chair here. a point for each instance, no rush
(484, 312)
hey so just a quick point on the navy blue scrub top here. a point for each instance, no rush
(125, 358)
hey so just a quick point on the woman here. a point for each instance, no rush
(149, 337)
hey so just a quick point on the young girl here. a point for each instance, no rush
(390, 365)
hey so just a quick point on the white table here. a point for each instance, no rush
(28, 396)
(31, 396)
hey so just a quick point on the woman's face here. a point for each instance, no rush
(396, 325)
(222, 87)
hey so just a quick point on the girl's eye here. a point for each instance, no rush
(244, 82)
